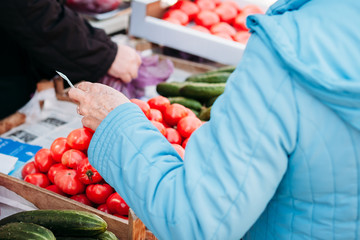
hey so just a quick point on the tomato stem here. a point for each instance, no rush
(89, 174)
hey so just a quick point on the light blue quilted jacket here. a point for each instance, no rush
(280, 157)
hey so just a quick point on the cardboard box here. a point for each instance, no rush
(145, 23)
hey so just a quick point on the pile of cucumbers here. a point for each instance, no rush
(54, 224)
(199, 91)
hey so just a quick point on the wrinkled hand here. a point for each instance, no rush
(95, 102)
(126, 64)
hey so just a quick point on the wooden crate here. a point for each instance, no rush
(45, 199)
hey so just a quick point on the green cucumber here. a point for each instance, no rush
(213, 77)
(25, 231)
(107, 235)
(217, 75)
(187, 102)
(211, 101)
(227, 68)
(169, 89)
(196, 112)
(204, 114)
(62, 222)
(202, 90)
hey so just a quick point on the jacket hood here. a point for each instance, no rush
(318, 42)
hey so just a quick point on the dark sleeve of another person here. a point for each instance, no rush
(58, 38)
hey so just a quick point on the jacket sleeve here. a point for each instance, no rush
(233, 163)
(58, 38)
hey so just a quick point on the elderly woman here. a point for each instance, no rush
(279, 157)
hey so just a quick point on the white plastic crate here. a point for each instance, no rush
(145, 22)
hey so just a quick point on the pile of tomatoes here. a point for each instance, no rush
(176, 122)
(65, 169)
(225, 19)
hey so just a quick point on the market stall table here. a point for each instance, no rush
(132, 228)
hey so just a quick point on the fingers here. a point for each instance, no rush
(90, 122)
(136, 67)
(133, 70)
(76, 94)
(126, 78)
(93, 110)
(95, 101)
(126, 64)
(85, 86)
(138, 58)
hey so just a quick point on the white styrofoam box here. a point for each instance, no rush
(145, 23)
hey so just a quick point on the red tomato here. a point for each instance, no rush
(155, 115)
(172, 20)
(71, 158)
(187, 125)
(188, 7)
(179, 149)
(207, 18)
(174, 113)
(173, 136)
(251, 9)
(185, 142)
(233, 4)
(240, 22)
(223, 35)
(58, 147)
(103, 208)
(165, 124)
(217, 2)
(159, 126)
(68, 182)
(226, 12)
(29, 168)
(86, 173)
(79, 138)
(190, 112)
(242, 37)
(117, 205)
(89, 129)
(98, 193)
(200, 28)
(144, 106)
(55, 189)
(177, 14)
(82, 198)
(206, 5)
(54, 169)
(38, 179)
(43, 159)
(223, 27)
(159, 103)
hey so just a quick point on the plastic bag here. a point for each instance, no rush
(151, 72)
(93, 6)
